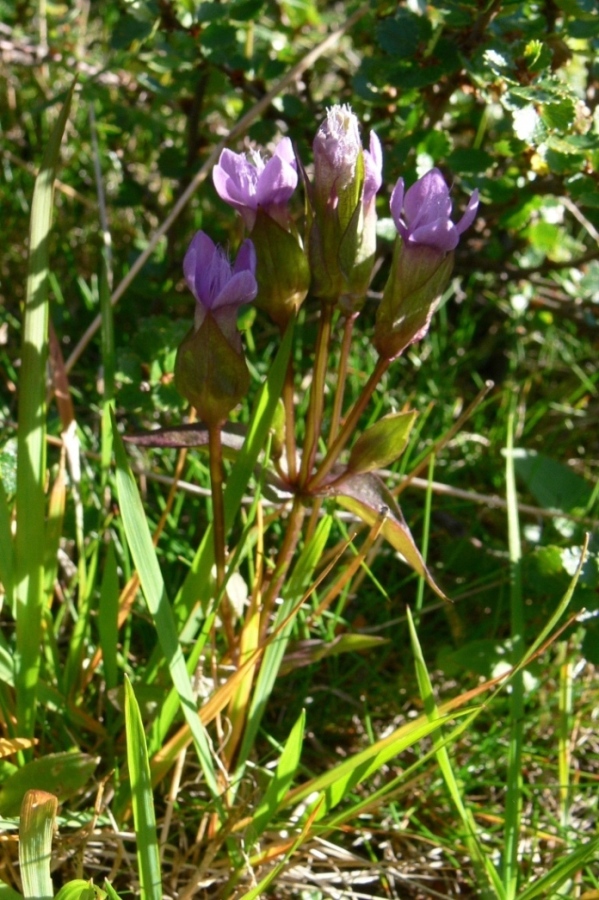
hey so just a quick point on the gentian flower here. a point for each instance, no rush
(373, 170)
(219, 287)
(337, 146)
(423, 215)
(210, 368)
(346, 179)
(247, 182)
(422, 261)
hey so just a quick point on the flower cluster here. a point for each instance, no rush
(334, 258)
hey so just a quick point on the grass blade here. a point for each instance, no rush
(486, 871)
(547, 885)
(148, 857)
(31, 456)
(513, 799)
(36, 828)
(286, 769)
(144, 555)
(273, 657)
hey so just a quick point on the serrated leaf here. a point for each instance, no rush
(382, 443)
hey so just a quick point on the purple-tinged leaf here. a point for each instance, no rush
(367, 498)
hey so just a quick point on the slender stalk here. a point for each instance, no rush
(288, 403)
(317, 388)
(425, 535)
(292, 535)
(348, 330)
(350, 423)
(218, 526)
(513, 799)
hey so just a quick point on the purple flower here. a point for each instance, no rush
(337, 146)
(373, 170)
(218, 287)
(423, 216)
(247, 182)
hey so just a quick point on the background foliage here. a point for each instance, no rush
(503, 97)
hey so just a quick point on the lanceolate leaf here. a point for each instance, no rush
(367, 498)
(382, 443)
(30, 544)
(36, 827)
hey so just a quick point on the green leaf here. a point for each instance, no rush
(66, 772)
(293, 592)
(367, 498)
(30, 545)
(143, 552)
(78, 889)
(564, 869)
(281, 782)
(144, 818)
(552, 484)
(36, 827)
(382, 443)
(8, 893)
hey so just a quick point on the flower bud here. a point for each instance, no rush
(282, 270)
(422, 261)
(346, 179)
(210, 368)
(210, 372)
(419, 275)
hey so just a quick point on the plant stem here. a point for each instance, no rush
(513, 798)
(317, 388)
(284, 558)
(349, 424)
(288, 402)
(348, 329)
(218, 526)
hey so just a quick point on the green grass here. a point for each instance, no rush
(361, 736)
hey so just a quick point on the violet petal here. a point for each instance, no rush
(441, 235)
(427, 200)
(396, 204)
(469, 215)
(240, 289)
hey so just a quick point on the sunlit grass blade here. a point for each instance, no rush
(108, 617)
(237, 481)
(481, 860)
(30, 541)
(513, 798)
(547, 885)
(293, 592)
(6, 547)
(285, 772)
(144, 818)
(144, 555)
(339, 781)
(108, 364)
(36, 828)
(8, 893)
(79, 890)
